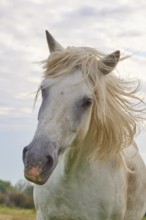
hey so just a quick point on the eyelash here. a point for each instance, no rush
(86, 102)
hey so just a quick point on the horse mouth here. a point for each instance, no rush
(37, 175)
(37, 179)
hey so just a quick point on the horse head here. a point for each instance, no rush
(65, 114)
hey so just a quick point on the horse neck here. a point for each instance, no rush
(75, 165)
(77, 161)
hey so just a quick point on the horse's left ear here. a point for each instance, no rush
(109, 62)
(52, 43)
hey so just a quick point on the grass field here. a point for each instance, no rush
(18, 214)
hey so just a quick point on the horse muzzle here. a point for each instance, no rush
(40, 159)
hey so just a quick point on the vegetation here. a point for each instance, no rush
(19, 195)
(7, 213)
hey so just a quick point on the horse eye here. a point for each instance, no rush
(86, 102)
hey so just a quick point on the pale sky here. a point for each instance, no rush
(106, 25)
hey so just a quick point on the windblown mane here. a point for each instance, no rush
(117, 108)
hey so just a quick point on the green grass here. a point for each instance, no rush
(16, 214)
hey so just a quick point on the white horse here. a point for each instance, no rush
(83, 158)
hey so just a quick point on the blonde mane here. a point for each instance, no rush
(117, 109)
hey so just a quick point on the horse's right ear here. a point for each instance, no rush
(52, 43)
(109, 62)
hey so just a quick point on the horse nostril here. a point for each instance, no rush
(49, 161)
(24, 152)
